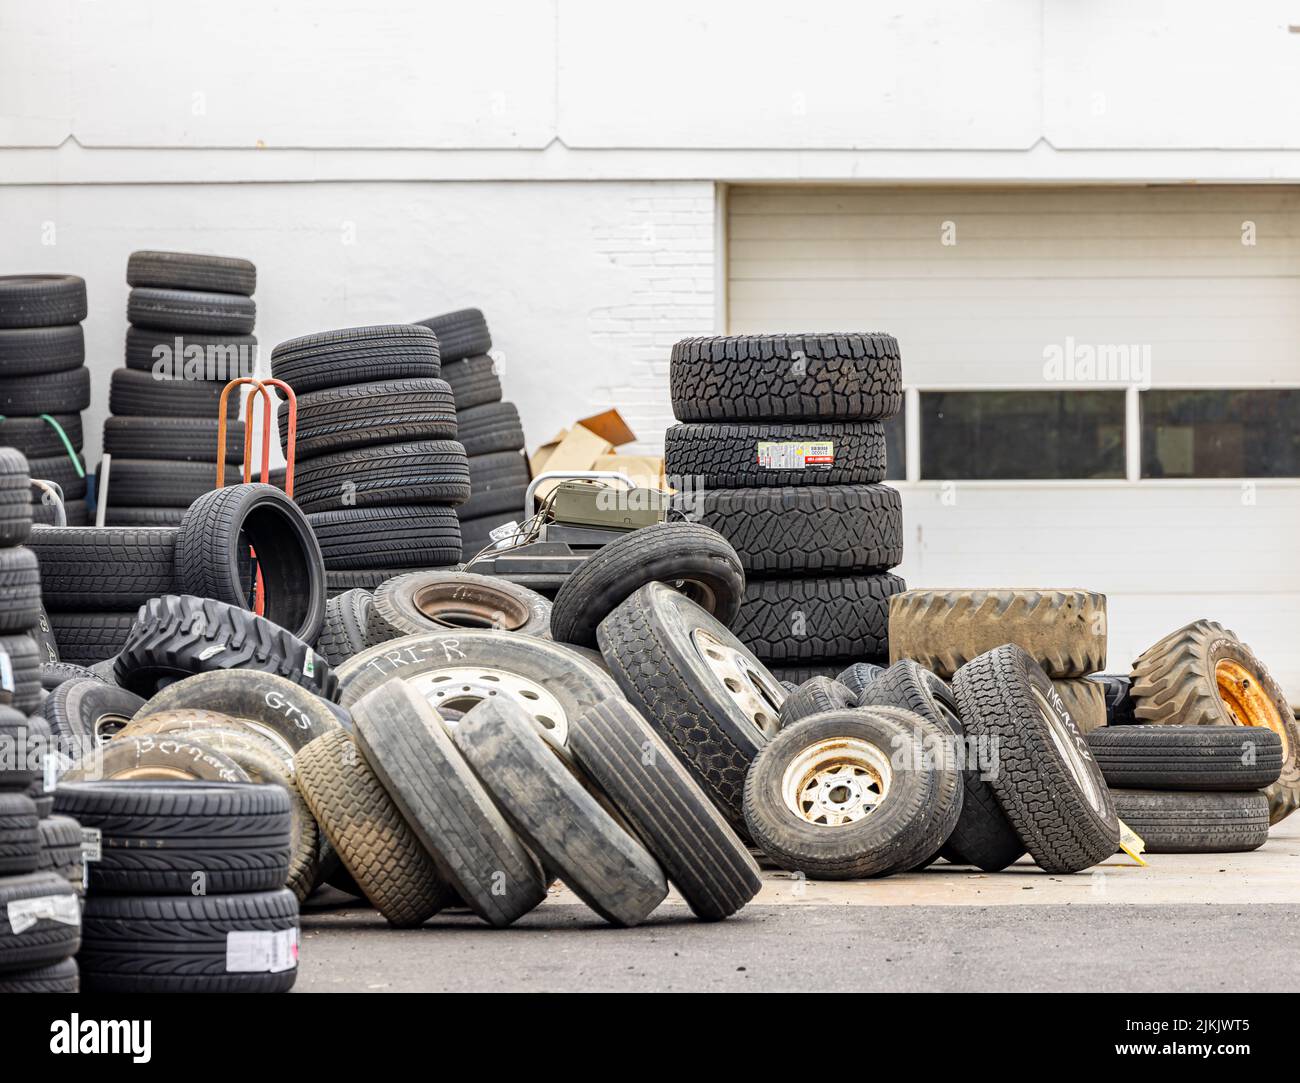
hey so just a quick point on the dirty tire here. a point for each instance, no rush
(1119, 703)
(156, 759)
(461, 334)
(1064, 631)
(478, 854)
(379, 851)
(422, 602)
(53, 937)
(86, 711)
(857, 677)
(649, 646)
(675, 819)
(1048, 783)
(725, 456)
(1224, 758)
(1195, 823)
(190, 310)
(693, 559)
(792, 620)
(1176, 682)
(177, 944)
(356, 355)
(191, 271)
(813, 697)
(344, 631)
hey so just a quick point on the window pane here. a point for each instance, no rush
(1221, 434)
(993, 435)
(896, 448)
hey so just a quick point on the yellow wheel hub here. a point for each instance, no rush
(1245, 697)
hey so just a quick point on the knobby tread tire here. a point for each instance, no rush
(791, 620)
(714, 455)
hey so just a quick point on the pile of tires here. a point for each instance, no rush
(377, 467)
(191, 333)
(781, 449)
(44, 385)
(488, 428)
(25, 641)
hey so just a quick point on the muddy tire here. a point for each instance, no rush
(1195, 823)
(154, 758)
(1222, 758)
(1085, 701)
(813, 697)
(423, 602)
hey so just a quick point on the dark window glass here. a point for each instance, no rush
(896, 448)
(1220, 434)
(994, 435)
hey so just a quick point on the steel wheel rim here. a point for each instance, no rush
(462, 688)
(836, 782)
(107, 726)
(698, 592)
(470, 605)
(1246, 700)
(1069, 752)
(749, 688)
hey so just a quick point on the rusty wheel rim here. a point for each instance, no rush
(836, 782)
(1247, 701)
(471, 605)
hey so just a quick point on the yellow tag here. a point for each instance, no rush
(1131, 842)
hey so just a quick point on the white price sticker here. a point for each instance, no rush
(24, 913)
(261, 952)
(92, 844)
(796, 455)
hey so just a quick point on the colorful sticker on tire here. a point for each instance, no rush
(796, 455)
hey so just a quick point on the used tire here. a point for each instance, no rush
(199, 355)
(461, 334)
(408, 747)
(67, 473)
(1115, 692)
(56, 932)
(23, 689)
(87, 638)
(490, 428)
(181, 944)
(788, 620)
(344, 632)
(66, 392)
(396, 536)
(86, 712)
(1203, 675)
(356, 355)
(54, 674)
(497, 486)
(173, 439)
(1048, 783)
(132, 393)
(557, 818)
(767, 454)
(20, 834)
(1195, 823)
(425, 472)
(858, 677)
(695, 560)
(191, 310)
(115, 568)
(1064, 631)
(60, 977)
(20, 589)
(158, 759)
(710, 700)
(422, 602)
(41, 300)
(474, 381)
(156, 483)
(1085, 701)
(358, 415)
(33, 351)
(212, 555)
(814, 696)
(675, 819)
(36, 438)
(1187, 757)
(18, 769)
(786, 377)
(191, 271)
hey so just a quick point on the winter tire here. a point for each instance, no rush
(41, 300)
(20, 589)
(344, 631)
(104, 567)
(24, 693)
(87, 638)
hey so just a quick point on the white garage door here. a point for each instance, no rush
(1100, 383)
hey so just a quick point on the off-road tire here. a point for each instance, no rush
(715, 455)
(791, 620)
(1085, 700)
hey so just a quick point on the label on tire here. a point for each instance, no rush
(796, 455)
(259, 952)
(24, 913)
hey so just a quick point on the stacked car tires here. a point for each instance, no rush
(24, 638)
(191, 320)
(377, 465)
(44, 384)
(782, 450)
(488, 428)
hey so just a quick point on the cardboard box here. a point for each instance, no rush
(589, 445)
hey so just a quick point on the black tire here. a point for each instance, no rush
(157, 836)
(87, 638)
(155, 483)
(344, 632)
(816, 530)
(273, 706)
(60, 977)
(179, 944)
(20, 834)
(140, 394)
(424, 472)
(1119, 703)
(191, 310)
(56, 933)
(855, 377)
(36, 438)
(63, 471)
(20, 590)
(1064, 631)
(42, 634)
(128, 516)
(173, 439)
(33, 351)
(360, 415)
(461, 334)
(75, 513)
(408, 747)
(813, 697)
(61, 848)
(397, 536)
(475, 534)
(66, 392)
(1222, 758)
(487, 429)
(17, 760)
(649, 643)
(1170, 822)
(423, 602)
(41, 300)
(212, 559)
(367, 579)
(857, 678)
(497, 485)
(557, 818)
(726, 456)
(1048, 783)
(115, 568)
(191, 271)
(356, 355)
(694, 559)
(55, 673)
(474, 381)
(789, 620)
(15, 516)
(85, 712)
(675, 819)
(209, 357)
(883, 828)
(176, 636)
(24, 659)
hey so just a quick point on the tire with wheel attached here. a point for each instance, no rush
(86, 712)
(422, 602)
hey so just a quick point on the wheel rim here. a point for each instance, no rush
(1246, 699)
(1069, 752)
(153, 774)
(471, 605)
(107, 726)
(749, 688)
(463, 688)
(836, 782)
(700, 593)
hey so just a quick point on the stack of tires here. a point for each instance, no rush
(24, 644)
(782, 451)
(377, 465)
(44, 383)
(488, 428)
(191, 330)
